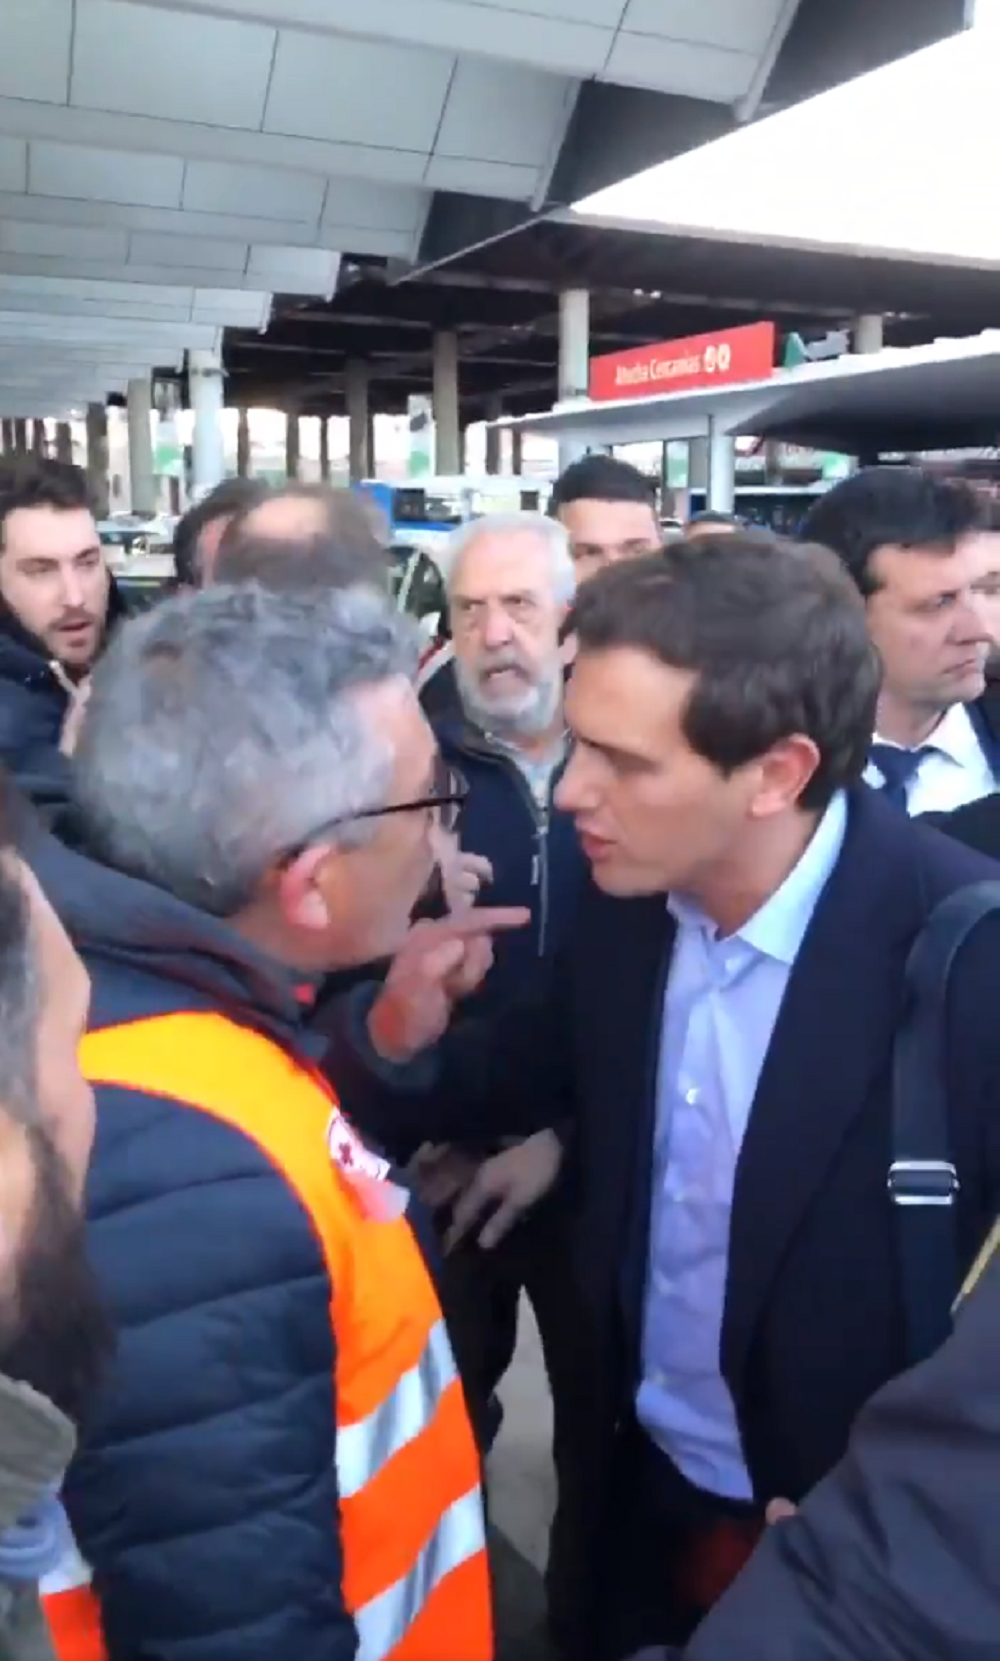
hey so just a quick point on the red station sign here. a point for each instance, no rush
(722, 359)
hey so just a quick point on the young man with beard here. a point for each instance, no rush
(57, 599)
(53, 1333)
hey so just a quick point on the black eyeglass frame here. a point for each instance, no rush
(447, 802)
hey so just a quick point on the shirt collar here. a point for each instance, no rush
(953, 737)
(778, 927)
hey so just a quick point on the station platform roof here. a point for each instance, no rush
(943, 396)
(645, 287)
(167, 166)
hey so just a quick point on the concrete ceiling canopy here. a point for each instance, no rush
(214, 153)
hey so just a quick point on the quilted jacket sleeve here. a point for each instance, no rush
(205, 1495)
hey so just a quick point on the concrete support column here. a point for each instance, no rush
(494, 437)
(7, 430)
(142, 474)
(360, 458)
(372, 451)
(574, 361)
(447, 437)
(206, 389)
(324, 449)
(293, 444)
(64, 441)
(868, 334)
(516, 450)
(697, 464)
(21, 436)
(97, 458)
(243, 457)
(39, 443)
(721, 470)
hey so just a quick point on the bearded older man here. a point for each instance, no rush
(510, 580)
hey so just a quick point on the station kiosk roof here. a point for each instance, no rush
(942, 396)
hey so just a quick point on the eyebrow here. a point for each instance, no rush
(613, 752)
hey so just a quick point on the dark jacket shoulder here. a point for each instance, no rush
(894, 1554)
(976, 824)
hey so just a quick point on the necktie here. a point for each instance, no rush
(898, 768)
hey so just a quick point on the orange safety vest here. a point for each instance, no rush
(415, 1572)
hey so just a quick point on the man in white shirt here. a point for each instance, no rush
(919, 549)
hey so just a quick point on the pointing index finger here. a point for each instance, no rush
(468, 925)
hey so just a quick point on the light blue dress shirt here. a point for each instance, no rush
(722, 1002)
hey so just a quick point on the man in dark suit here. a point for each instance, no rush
(920, 549)
(719, 1034)
(896, 1555)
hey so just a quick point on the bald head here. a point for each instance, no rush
(335, 525)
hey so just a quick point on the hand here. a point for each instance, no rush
(438, 964)
(79, 696)
(462, 874)
(780, 1510)
(507, 1186)
(440, 1174)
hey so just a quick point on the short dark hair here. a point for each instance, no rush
(991, 513)
(711, 516)
(301, 564)
(775, 633)
(229, 498)
(41, 482)
(601, 478)
(904, 507)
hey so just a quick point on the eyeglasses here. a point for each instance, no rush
(448, 792)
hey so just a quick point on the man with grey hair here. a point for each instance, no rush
(284, 1466)
(510, 582)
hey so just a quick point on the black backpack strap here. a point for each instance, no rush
(923, 1181)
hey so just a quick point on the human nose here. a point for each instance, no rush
(572, 793)
(72, 589)
(497, 630)
(971, 623)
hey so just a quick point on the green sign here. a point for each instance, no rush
(168, 452)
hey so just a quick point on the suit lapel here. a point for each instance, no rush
(623, 1147)
(832, 1040)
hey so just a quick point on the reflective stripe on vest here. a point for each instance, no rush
(415, 1573)
(363, 1448)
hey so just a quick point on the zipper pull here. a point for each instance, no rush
(536, 871)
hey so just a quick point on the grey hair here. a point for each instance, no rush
(19, 999)
(224, 729)
(548, 531)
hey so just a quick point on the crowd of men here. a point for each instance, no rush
(573, 962)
